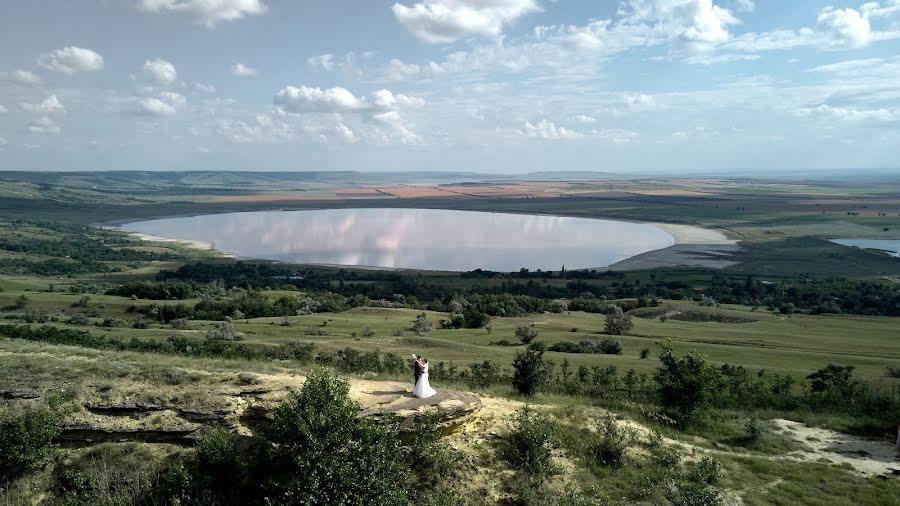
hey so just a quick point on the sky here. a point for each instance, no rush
(500, 86)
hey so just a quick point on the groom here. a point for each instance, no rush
(417, 369)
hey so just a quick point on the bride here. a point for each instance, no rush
(423, 389)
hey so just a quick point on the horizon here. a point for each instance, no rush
(625, 87)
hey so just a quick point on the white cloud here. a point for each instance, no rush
(167, 104)
(3, 142)
(346, 134)
(322, 61)
(545, 129)
(851, 114)
(71, 60)
(21, 77)
(204, 88)
(241, 70)
(154, 107)
(844, 28)
(49, 105)
(44, 125)
(160, 71)
(691, 25)
(262, 128)
(583, 118)
(384, 99)
(3, 110)
(445, 21)
(306, 99)
(207, 12)
(392, 129)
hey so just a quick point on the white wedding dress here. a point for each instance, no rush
(423, 389)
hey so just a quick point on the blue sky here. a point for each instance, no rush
(467, 85)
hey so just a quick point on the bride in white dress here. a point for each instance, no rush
(423, 389)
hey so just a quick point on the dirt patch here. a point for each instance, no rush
(865, 456)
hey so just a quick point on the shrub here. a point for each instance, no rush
(558, 305)
(315, 331)
(530, 371)
(79, 319)
(397, 333)
(685, 385)
(421, 325)
(223, 331)
(21, 301)
(707, 471)
(432, 460)
(892, 372)
(617, 322)
(179, 323)
(753, 430)
(26, 441)
(35, 316)
(368, 332)
(530, 444)
(526, 333)
(613, 440)
(645, 352)
(324, 453)
(610, 346)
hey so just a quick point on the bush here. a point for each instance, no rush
(179, 323)
(530, 444)
(35, 316)
(610, 346)
(324, 453)
(612, 442)
(421, 325)
(223, 331)
(530, 371)
(685, 385)
(617, 322)
(79, 319)
(526, 333)
(26, 441)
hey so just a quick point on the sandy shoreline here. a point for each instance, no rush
(691, 234)
(188, 243)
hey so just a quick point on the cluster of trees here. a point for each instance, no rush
(517, 294)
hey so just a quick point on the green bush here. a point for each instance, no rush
(526, 333)
(612, 441)
(530, 371)
(530, 444)
(324, 453)
(617, 322)
(685, 385)
(26, 441)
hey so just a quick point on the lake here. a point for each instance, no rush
(892, 247)
(427, 239)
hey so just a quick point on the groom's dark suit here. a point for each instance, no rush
(417, 371)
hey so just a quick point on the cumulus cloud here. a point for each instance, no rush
(3, 110)
(322, 61)
(21, 77)
(71, 60)
(385, 99)
(166, 104)
(545, 129)
(160, 71)
(692, 25)
(845, 28)
(306, 99)
(584, 118)
(49, 105)
(44, 125)
(445, 21)
(207, 12)
(241, 70)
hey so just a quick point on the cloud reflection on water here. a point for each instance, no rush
(416, 238)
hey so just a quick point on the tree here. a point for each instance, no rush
(223, 331)
(421, 325)
(323, 452)
(531, 371)
(21, 301)
(26, 441)
(617, 322)
(526, 333)
(685, 385)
